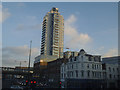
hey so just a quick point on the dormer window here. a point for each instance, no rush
(82, 52)
(75, 59)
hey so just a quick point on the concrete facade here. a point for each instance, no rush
(112, 70)
(52, 34)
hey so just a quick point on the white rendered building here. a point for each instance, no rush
(84, 67)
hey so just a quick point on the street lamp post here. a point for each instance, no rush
(29, 63)
(29, 56)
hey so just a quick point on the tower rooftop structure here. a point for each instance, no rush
(52, 41)
(53, 10)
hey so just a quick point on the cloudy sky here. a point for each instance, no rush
(91, 26)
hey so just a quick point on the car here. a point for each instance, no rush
(16, 87)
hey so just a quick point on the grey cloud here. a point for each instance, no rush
(21, 53)
(28, 27)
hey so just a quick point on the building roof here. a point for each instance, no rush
(82, 50)
(88, 55)
(112, 60)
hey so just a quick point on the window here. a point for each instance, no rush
(104, 74)
(113, 70)
(88, 66)
(97, 66)
(64, 75)
(95, 74)
(67, 66)
(76, 73)
(118, 76)
(82, 73)
(92, 66)
(109, 69)
(88, 73)
(70, 59)
(72, 74)
(114, 76)
(110, 76)
(100, 74)
(90, 58)
(117, 70)
(68, 74)
(72, 66)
